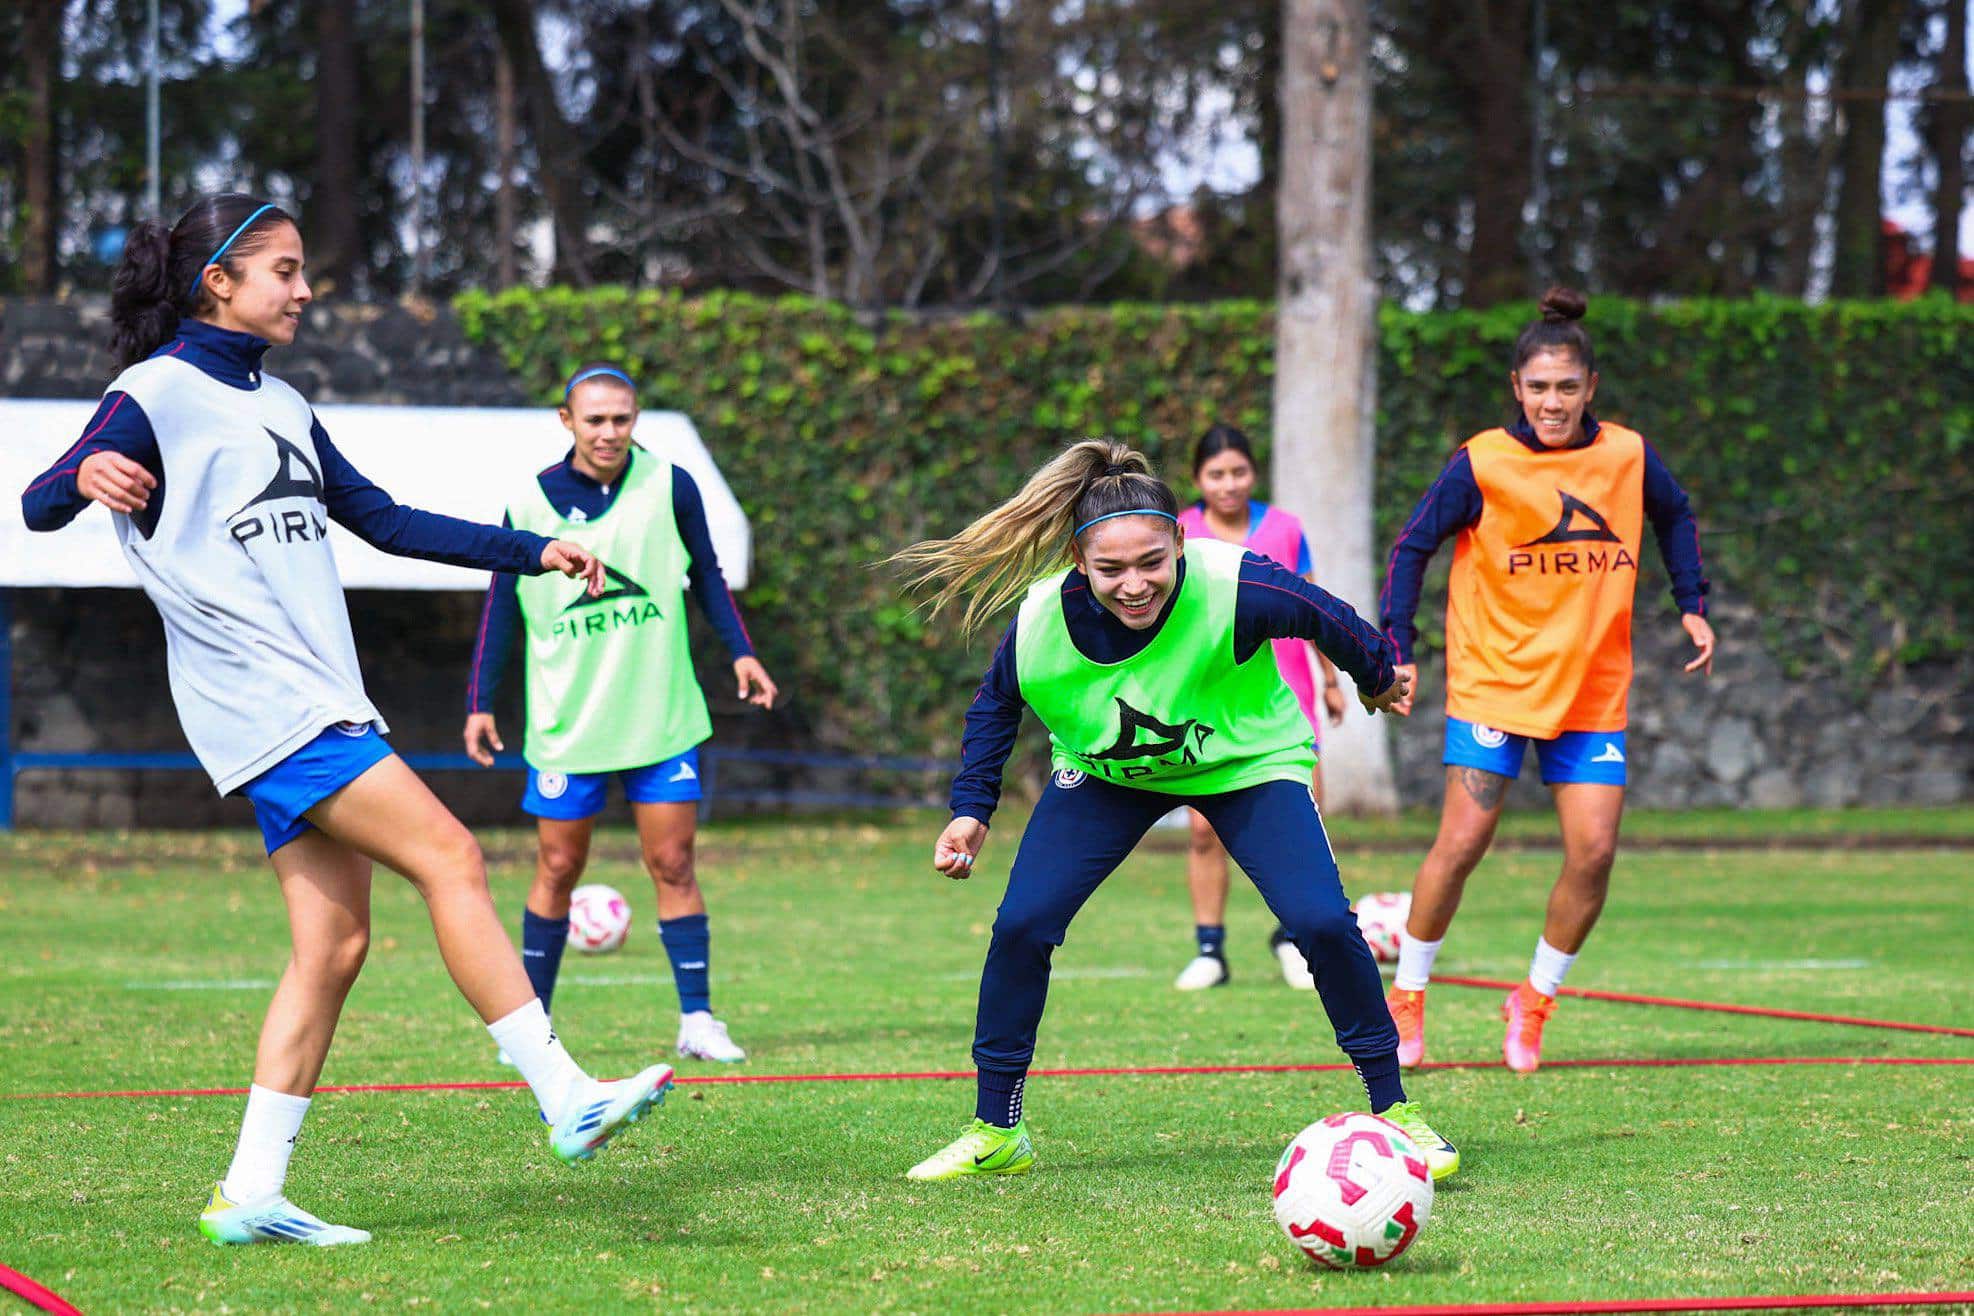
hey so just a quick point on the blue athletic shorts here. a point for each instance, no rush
(569, 796)
(1573, 756)
(310, 775)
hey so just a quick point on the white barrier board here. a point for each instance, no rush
(462, 461)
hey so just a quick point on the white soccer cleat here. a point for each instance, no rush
(1202, 972)
(702, 1037)
(598, 1112)
(1295, 969)
(270, 1219)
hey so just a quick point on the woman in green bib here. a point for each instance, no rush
(1148, 660)
(610, 686)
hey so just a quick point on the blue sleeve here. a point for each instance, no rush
(51, 500)
(374, 517)
(708, 584)
(1274, 603)
(993, 720)
(1451, 505)
(1304, 563)
(1671, 515)
(500, 622)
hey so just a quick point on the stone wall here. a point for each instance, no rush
(89, 664)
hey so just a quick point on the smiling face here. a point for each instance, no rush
(601, 413)
(1554, 391)
(1226, 482)
(1133, 565)
(267, 295)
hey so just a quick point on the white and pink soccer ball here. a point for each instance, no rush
(1353, 1191)
(599, 918)
(1381, 917)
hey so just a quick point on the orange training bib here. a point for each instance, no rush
(1538, 616)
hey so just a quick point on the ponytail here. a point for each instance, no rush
(1001, 553)
(161, 277)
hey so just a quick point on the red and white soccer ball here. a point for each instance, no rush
(1353, 1190)
(1381, 917)
(599, 918)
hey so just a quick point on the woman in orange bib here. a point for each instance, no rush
(1548, 516)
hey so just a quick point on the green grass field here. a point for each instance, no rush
(144, 962)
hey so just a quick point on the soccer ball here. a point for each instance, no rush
(599, 918)
(1381, 917)
(1352, 1190)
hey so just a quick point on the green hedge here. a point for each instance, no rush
(1827, 449)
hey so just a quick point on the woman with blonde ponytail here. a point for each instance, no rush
(1148, 660)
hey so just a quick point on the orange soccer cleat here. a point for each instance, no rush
(1408, 1011)
(1526, 1010)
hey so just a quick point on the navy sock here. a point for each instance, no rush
(542, 940)
(1211, 937)
(997, 1096)
(690, 946)
(1381, 1081)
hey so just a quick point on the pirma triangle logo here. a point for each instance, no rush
(621, 587)
(1580, 523)
(295, 477)
(1161, 738)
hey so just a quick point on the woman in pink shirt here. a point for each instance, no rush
(1225, 471)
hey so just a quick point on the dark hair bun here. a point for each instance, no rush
(1560, 304)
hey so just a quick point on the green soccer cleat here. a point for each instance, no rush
(271, 1219)
(982, 1149)
(1442, 1157)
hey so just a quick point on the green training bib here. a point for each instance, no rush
(1181, 716)
(610, 682)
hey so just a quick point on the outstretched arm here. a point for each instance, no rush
(1678, 533)
(115, 463)
(382, 522)
(1450, 505)
(993, 720)
(1274, 603)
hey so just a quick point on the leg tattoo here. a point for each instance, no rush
(1486, 788)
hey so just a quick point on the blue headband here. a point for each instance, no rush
(213, 259)
(594, 372)
(1135, 511)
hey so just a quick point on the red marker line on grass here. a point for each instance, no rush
(1722, 1007)
(1131, 1071)
(38, 1296)
(1751, 1302)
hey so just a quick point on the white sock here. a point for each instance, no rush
(1415, 962)
(537, 1052)
(267, 1139)
(1546, 970)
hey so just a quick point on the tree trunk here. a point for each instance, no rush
(1948, 131)
(558, 156)
(505, 271)
(1859, 269)
(1482, 47)
(41, 46)
(334, 241)
(1325, 339)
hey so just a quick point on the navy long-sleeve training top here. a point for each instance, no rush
(1453, 502)
(570, 491)
(234, 359)
(1270, 603)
